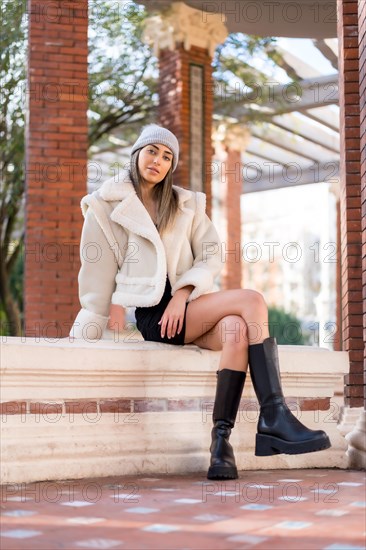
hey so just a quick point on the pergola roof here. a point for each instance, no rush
(300, 144)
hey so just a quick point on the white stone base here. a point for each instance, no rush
(164, 443)
(54, 447)
(357, 443)
(348, 419)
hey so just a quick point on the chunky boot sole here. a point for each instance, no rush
(268, 445)
(222, 472)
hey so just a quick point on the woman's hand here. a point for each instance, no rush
(171, 322)
(117, 318)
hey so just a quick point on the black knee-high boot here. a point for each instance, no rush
(230, 384)
(279, 431)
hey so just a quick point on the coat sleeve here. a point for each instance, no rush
(206, 248)
(96, 280)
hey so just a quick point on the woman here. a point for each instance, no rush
(148, 243)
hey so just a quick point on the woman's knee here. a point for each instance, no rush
(253, 300)
(233, 331)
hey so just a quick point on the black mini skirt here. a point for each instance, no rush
(147, 319)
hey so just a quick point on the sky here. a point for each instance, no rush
(306, 51)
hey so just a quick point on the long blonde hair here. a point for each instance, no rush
(163, 193)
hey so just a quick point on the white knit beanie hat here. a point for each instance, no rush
(152, 133)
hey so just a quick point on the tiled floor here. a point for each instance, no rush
(281, 509)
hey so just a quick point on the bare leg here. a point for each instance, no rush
(229, 335)
(210, 323)
(204, 313)
(218, 321)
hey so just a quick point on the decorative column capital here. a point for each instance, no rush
(183, 24)
(232, 136)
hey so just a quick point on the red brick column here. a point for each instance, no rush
(234, 188)
(350, 198)
(231, 189)
(231, 141)
(175, 88)
(362, 65)
(56, 161)
(337, 344)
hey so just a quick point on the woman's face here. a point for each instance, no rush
(154, 162)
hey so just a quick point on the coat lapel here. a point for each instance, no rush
(174, 238)
(131, 214)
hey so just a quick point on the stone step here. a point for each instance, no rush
(71, 408)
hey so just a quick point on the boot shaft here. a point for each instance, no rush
(279, 431)
(229, 389)
(265, 372)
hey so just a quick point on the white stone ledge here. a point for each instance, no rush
(105, 369)
(74, 446)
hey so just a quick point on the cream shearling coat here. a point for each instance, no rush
(125, 261)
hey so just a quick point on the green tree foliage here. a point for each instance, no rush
(246, 70)
(123, 75)
(12, 122)
(285, 327)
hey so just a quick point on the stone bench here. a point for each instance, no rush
(74, 409)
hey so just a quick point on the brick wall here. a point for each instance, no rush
(337, 344)
(232, 247)
(362, 57)
(174, 108)
(93, 409)
(56, 157)
(350, 199)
